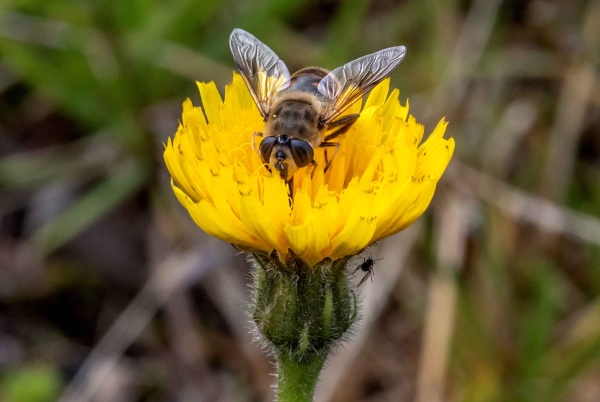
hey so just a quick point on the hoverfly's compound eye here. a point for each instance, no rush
(302, 152)
(266, 147)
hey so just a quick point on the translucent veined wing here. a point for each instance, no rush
(260, 67)
(347, 84)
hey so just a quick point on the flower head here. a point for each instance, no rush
(381, 181)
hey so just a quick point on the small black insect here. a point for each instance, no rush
(367, 267)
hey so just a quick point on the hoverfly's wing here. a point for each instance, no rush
(260, 67)
(347, 84)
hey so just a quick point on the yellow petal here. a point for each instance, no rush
(212, 102)
(310, 238)
(207, 217)
(257, 220)
(378, 94)
(359, 226)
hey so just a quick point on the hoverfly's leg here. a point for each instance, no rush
(290, 185)
(254, 134)
(315, 166)
(348, 119)
(325, 144)
(345, 123)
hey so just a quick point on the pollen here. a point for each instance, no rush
(382, 179)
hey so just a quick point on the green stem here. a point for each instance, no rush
(297, 380)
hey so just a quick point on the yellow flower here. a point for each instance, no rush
(381, 181)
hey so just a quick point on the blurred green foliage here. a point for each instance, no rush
(31, 384)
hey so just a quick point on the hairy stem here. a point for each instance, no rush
(297, 379)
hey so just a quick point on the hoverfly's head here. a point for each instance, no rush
(286, 154)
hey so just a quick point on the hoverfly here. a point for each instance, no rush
(367, 268)
(303, 111)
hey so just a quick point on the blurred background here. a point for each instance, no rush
(109, 292)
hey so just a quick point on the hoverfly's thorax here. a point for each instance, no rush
(293, 117)
(307, 80)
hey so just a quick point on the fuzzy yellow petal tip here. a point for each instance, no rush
(381, 181)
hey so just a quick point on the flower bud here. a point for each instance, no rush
(302, 310)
